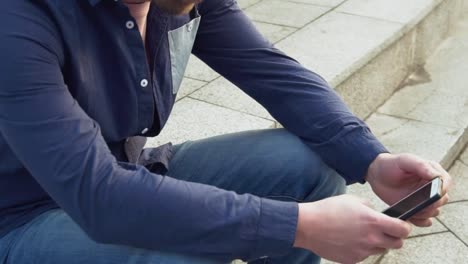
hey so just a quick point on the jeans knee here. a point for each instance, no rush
(324, 183)
(310, 177)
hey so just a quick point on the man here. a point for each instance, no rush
(84, 81)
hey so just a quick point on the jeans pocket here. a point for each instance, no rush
(181, 42)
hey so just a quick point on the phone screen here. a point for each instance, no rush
(410, 202)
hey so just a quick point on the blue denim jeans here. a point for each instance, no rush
(269, 163)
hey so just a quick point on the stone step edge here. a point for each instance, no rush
(420, 36)
(454, 151)
(358, 80)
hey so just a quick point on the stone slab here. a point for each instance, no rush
(433, 249)
(222, 92)
(274, 33)
(455, 217)
(428, 104)
(401, 11)
(399, 135)
(459, 173)
(273, 11)
(246, 3)
(335, 46)
(444, 94)
(370, 86)
(370, 260)
(460, 30)
(448, 67)
(189, 86)
(456, 12)
(436, 227)
(192, 119)
(432, 30)
(331, 3)
(197, 69)
(456, 149)
(464, 156)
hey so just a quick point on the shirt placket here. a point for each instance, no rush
(143, 87)
(155, 37)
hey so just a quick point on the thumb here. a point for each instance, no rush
(395, 227)
(365, 202)
(415, 165)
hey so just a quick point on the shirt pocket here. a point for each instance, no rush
(181, 42)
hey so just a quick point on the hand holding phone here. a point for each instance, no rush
(417, 200)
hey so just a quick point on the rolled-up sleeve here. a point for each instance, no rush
(115, 202)
(298, 98)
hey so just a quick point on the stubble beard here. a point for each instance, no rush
(173, 7)
(177, 7)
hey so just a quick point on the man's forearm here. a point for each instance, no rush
(298, 98)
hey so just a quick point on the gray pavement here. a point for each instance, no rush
(360, 46)
(333, 38)
(448, 243)
(430, 118)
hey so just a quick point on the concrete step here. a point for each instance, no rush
(363, 48)
(429, 117)
(448, 244)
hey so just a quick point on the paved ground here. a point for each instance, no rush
(447, 242)
(209, 105)
(331, 37)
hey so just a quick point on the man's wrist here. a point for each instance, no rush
(373, 170)
(299, 241)
(306, 222)
(276, 228)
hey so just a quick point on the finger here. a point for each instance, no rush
(435, 206)
(394, 227)
(433, 210)
(416, 165)
(421, 223)
(362, 201)
(427, 215)
(446, 178)
(377, 251)
(389, 242)
(367, 203)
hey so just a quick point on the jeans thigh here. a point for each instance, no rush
(268, 163)
(53, 237)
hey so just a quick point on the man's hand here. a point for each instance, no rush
(345, 230)
(392, 177)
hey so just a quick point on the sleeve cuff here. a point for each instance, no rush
(351, 154)
(276, 230)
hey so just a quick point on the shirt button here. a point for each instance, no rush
(130, 24)
(189, 27)
(144, 83)
(144, 131)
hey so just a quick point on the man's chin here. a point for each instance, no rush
(176, 7)
(186, 10)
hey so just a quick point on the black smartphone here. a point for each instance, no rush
(416, 201)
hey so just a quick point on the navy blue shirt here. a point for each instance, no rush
(79, 92)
